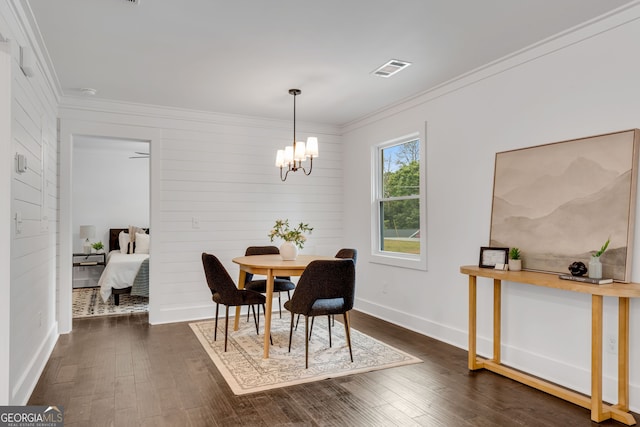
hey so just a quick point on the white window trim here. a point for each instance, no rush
(418, 262)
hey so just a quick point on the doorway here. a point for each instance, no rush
(72, 131)
(110, 188)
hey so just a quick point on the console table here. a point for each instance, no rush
(622, 291)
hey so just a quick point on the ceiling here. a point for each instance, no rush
(242, 56)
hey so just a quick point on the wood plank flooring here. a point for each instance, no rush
(120, 371)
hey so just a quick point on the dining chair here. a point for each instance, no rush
(326, 287)
(280, 283)
(343, 253)
(225, 292)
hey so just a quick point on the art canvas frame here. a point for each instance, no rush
(560, 202)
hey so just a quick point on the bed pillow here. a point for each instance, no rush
(142, 243)
(123, 241)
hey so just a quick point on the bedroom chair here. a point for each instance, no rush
(280, 283)
(326, 287)
(344, 253)
(224, 291)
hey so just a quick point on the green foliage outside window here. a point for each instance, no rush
(399, 202)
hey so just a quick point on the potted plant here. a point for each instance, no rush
(293, 237)
(595, 266)
(98, 246)
(515, 260)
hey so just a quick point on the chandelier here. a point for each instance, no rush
(293, 155)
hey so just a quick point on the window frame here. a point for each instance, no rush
(397, 259)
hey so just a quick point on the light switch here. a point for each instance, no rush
(18, 222)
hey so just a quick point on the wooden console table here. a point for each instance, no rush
(622, 291)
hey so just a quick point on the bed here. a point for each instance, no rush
(125, 273)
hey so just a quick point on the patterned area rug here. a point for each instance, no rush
(87, 302)
(246, 371)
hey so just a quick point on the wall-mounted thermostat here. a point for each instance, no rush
(21, 163)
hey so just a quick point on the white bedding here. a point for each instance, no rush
(120, 271)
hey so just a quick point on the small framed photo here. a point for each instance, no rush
(490, 257)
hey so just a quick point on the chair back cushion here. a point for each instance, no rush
(325, 279)
(348, 253)
(222, 287)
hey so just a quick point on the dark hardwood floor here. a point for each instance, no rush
(120, 371)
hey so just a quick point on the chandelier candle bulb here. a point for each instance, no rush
(312, 146)
(300, 151)
(280, 159)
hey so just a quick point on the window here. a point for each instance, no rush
(399, 203)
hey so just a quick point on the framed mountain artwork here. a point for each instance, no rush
(560, 202)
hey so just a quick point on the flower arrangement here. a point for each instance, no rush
(294, 235)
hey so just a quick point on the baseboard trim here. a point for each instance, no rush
(27, 382)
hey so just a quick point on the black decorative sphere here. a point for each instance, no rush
(578, 268)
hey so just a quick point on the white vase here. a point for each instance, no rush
(288, 251)
(595, 268)
(515, 264)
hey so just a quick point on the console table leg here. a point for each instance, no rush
(623, 353)
(472, 322)
(597, 413)
(497, 310)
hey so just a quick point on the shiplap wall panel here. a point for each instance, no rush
(219, 169)
(34, 194)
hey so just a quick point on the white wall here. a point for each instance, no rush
(110, 190)
(33, 327)
(582, 84)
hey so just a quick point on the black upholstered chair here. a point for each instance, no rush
(326, 287)
(224, 291)
(280, 283)
(344, 253)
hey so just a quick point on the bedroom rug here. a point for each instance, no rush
(87, 302)
(246, 371)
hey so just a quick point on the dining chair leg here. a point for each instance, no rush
(226, 326)
(347, 333)
(311, 329)
(306, 342)
(297, 320)
(291, 331)
(215, 329)
(279, 305)
(329, 320)
(256, 320)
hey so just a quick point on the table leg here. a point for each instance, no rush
(267, 314)
(497, 310)
(623, 354)
(472, 322)
(236, 321)
(597, 412)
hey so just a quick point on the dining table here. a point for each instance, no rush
(270, 266)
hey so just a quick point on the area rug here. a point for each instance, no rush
(87, 302)
(245, 370)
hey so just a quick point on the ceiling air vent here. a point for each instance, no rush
(390, 68)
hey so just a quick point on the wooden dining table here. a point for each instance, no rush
(270, 266)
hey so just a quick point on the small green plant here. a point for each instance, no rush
(97, 246)
(294, 235)
(514, 253)
(602, 249)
